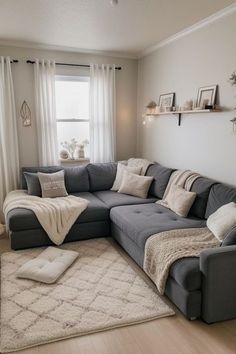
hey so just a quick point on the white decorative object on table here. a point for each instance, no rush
(71, 147)
(81, 147)
(64, 154)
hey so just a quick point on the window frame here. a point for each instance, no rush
(77, 78)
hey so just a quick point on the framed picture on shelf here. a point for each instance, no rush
(206, 96)
(166, 100)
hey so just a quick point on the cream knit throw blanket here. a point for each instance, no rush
(163, 249)
(56, 215)
(181, 178)
(142, 163)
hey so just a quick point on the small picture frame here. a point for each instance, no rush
(167, 100)
(206, 96)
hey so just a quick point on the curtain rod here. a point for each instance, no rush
(14, 61)
(66, 64)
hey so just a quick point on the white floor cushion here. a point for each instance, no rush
(48, 266)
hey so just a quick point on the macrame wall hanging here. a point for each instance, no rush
(25, 114)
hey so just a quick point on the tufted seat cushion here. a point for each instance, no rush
(48, 266)
(113, 199)
(139, 222)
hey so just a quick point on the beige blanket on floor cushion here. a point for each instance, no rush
(56, 215)
(181, 178)
(163, 249)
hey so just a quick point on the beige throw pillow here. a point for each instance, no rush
(180, 201)
(222, 220)
(52, 184)
(135, 185)
(120, 172)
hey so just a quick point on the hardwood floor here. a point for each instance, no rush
(169, 335)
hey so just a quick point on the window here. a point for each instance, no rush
(72, 110)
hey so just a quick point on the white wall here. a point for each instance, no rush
(204, 142)
(126, 81)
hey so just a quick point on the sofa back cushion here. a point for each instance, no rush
(48, 169)
(161, 176)
(201, 187)
(220, 194)
(76, 178)
(230, 238)
(101, 176)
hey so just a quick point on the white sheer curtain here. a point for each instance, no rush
(45, 108)
(102, 113)
(9, 152)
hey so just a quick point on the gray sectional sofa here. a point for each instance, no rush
(202, 286)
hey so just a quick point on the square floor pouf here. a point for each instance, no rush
(48, 266)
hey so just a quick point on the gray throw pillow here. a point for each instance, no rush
(52, 184)
(33, 184)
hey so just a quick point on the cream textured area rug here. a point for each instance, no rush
(101, 290)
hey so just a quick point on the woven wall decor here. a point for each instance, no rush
(25, 114)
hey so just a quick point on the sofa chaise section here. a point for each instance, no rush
(133, 225)
(26, 231)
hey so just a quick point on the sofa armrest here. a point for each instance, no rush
(218, 267)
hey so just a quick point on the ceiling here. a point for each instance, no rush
(129, 28)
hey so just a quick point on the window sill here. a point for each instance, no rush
(75, 161)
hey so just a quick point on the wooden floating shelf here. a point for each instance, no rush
(179, 113)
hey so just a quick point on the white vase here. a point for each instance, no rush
(81, 153)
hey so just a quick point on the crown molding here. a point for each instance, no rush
(126, 55)
(39, 46)
(205, 22)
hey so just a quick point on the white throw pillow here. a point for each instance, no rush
(180, 201)
(48, 266)
(135, 185)
(222, 220)
(52, 184)
(120, 172)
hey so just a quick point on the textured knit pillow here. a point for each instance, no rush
(120, 172)
(180, 201)
(135, 185)
(33, 184)
(52, 184)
